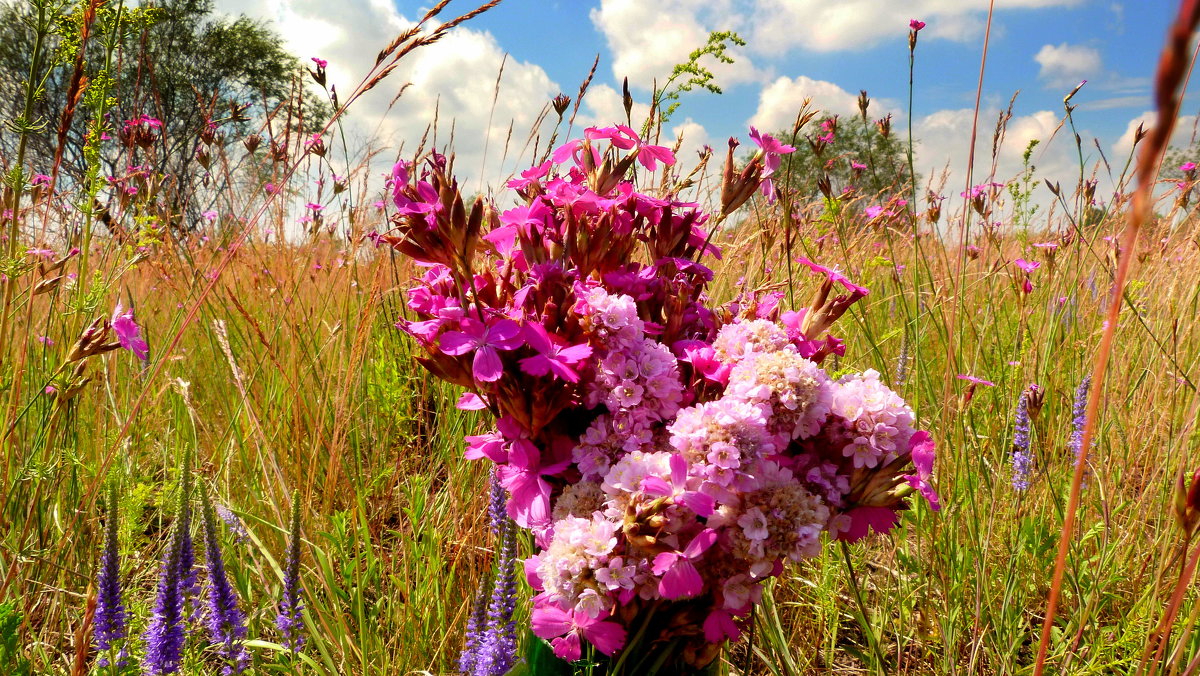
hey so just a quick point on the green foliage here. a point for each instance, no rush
(1021, 190)
(11, 660)
(692, 73)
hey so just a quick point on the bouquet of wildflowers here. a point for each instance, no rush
(668, 455)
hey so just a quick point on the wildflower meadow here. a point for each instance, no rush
(281, 399)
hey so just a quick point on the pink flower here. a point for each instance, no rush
(834, 276)
(719, 626)
(1027, 266)
(484, 340)
(1187, 166)
(864, 519)
(529, 504)
(700, 503)
(553, 357)
(42, 253)
(921, 446)
(563, 629)
(129, 333)
(773, 150)
(915, 25)
(314, 207)
(975, 381)
(209, 215)
(680, 579)
(321, 63)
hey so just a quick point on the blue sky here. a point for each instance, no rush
(824, 49)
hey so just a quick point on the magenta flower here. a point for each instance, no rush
(974, 380)
(719, 626)
(314, 207)
(485, 341)
(834, 276)
(680, 579)
(129, 333)
(619, 136)
(915, 25)
(922, 449)
(1187, 166)
(865, 519)
(564, 628)
(700, 503)
(857, 166)
(321, 63)
(1027, 266)
(553, 356)
(41, 253)
(773, 150)
(522, 476)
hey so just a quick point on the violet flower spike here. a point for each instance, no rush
(111, 618)
(290, 620)
(1078, 416)
(1022, 459)
(496, 648)
(165, 637)
(226, 625)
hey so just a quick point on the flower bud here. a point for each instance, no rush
(252, 142)
(560, 104)
(1186, 502)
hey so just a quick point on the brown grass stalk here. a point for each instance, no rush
(1171, 69)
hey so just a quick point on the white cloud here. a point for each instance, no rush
(943, 143)
(1066, 65)
(820, 25)
(780, 101)
(1184, 134)
(647, 39)
(454, 78)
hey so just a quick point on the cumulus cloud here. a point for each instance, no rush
(1182, 136)
(1066, 65)
(943, 144)
(780, 101)
(454, 79)
(820, 25)
(647, 39)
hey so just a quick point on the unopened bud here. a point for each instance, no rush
(560, 104)
(93, 340)
(884, 125)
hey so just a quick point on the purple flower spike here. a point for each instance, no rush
(290, 620)
(165, 637)
(111, 619)
(226, 625)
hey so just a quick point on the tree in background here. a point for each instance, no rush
(210, 81)
(843, 153)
